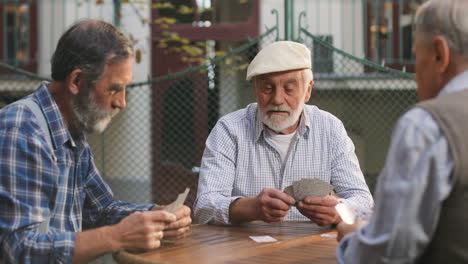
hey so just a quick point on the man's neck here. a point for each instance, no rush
(62, 98)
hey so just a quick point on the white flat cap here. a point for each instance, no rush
(280, 56)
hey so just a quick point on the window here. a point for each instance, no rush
(18, 33)
(389, 32)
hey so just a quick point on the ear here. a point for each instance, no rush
(442, 54)
(309, 91)
(74, 81)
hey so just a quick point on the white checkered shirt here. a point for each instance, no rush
(240, 160)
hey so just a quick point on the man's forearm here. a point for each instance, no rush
(94, 243)
(243, 210)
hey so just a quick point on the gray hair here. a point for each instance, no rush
(446, 18)
(308, 76)
(89, 45)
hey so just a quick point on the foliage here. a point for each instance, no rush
(172, 12)
(192, 52)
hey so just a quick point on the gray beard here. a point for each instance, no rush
(88, 116)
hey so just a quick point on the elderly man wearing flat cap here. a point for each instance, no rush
(252, 154)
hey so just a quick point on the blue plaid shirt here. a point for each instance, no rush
(34, 179)
(240, 160)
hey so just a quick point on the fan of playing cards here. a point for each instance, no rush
(308, 187)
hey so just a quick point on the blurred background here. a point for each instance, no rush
(191, 59)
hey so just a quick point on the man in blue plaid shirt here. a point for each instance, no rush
(50, 188)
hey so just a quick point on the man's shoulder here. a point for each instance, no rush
(416, 114)
(16, 116)
(417, 122)
(240, 117)
(319, 116)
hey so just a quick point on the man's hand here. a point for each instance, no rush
(142, 230)
(272, 205)
(321, 210)
(181, 226)
(344, 229)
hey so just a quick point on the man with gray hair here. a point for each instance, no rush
(55, 207)
(421, 195)
(252, 154)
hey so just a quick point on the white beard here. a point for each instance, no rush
(102, 124)
(279, 123)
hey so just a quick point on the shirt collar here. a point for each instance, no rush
(59, 132)
(302, 129)
(460, 82)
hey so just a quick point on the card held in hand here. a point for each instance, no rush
(289, 190)
(308, 187)
(177, 204)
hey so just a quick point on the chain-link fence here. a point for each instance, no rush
(183, 109)
(152, 151)
(367, 97)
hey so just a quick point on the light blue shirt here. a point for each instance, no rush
(240, 160)
(410, 191)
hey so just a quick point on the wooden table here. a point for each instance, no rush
(298, 242)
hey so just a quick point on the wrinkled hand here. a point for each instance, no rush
(321, 210)
(272, 205)
(181, 226)
(142, 230)
(344, 229)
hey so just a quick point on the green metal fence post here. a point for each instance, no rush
(117, 8)
(288, 19)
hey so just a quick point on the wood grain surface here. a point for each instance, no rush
(298, 242)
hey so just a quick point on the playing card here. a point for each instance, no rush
(263, 239)
(289, 190)
(311, 187)
(175, 205)
(308, 187)
(329, 235)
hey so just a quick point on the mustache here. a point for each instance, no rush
(278, 108)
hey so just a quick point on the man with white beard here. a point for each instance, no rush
(254, 153)
(55, 207)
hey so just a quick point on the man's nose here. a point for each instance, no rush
(278, 97)
(120, 100)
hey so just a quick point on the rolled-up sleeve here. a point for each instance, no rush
(28, 246)
(100, 208)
